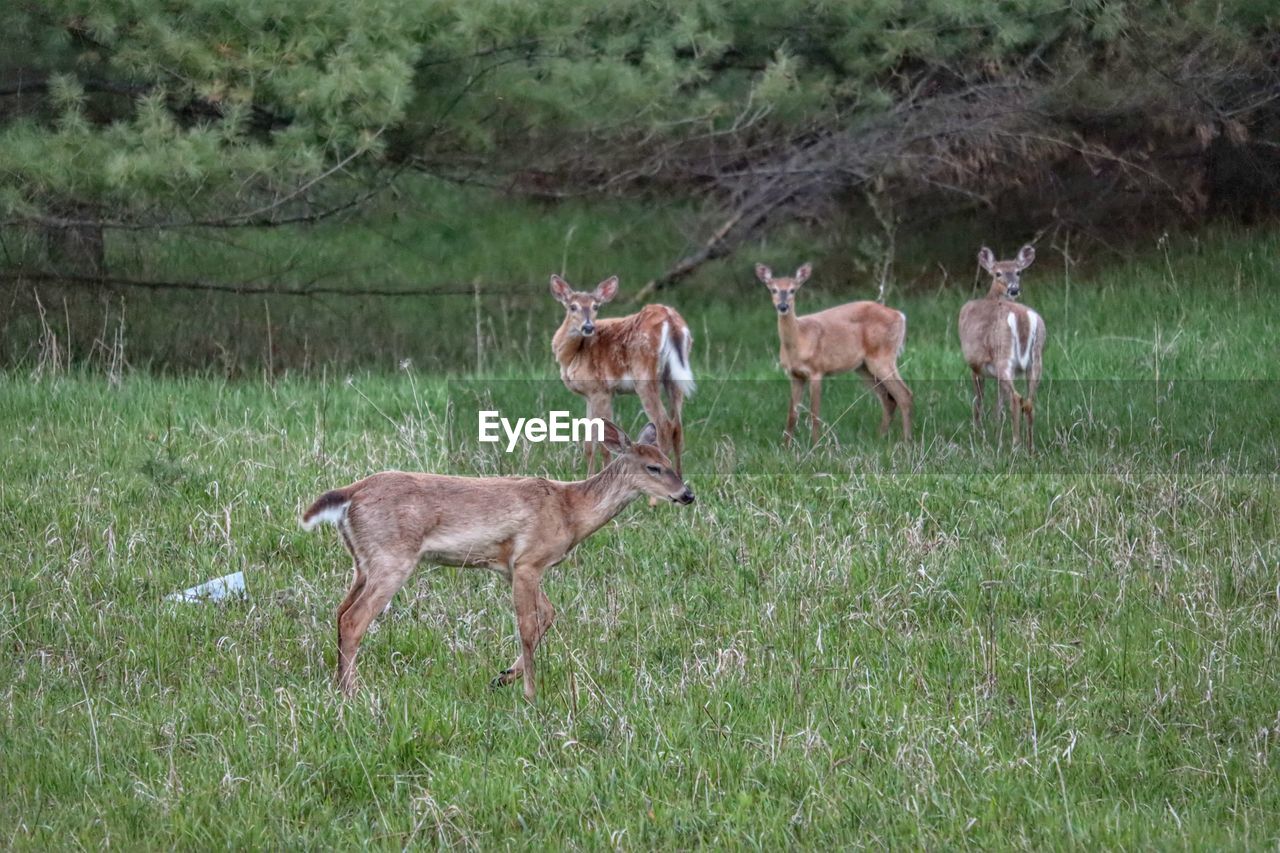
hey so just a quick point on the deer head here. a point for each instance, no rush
(643, 466)
(580, 308)
(1004, 274)
(783, 290)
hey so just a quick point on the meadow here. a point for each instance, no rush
(862, 643)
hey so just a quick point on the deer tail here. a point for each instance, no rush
(329, 508)
(676, 346)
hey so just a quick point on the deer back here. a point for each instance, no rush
(841, 338)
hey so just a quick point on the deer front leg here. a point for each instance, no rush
(546, 617)
(524, 586)
(797, 389)
(815, 404)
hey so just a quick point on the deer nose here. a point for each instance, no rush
(686, 497)
(782, 307)
(1014, 290)
(588, 328)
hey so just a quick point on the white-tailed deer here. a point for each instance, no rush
(644, 353)
(863, 336)
(516, 526)
(1003, 339)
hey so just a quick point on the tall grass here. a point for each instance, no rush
(948, 644)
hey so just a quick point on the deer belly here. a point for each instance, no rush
(461, 549)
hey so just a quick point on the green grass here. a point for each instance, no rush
(940, 645)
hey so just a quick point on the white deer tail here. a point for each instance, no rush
(673, 354)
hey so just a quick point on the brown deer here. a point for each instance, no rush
(644, 353)
(516, 526)
(1003, 339)
(863, 336)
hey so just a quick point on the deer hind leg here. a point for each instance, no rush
(1028, 403)
(1009, 396)
(677, 426)
(382, 579)
(883, 395)
(650, 393)
(546, 617)
(979, 389)
(815, 405)
(890, 382)
(598, 406)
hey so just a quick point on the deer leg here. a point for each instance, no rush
(1028, 403)
(797, 389)
(888, 379)
(677, 427)
(546, 617)
(979, 389)
(383, 579)
(882, 394)
(815, 404)
(650, 393)
(525, 591)
(1009, 395)
(598, 406)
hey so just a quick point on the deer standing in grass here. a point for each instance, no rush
(644, 353)
(863, 336)
(516, 526)
(1003, 339)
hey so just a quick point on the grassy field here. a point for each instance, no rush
(947, 644)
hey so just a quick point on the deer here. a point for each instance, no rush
(644, 353)
(516, 526)
(1004, 339)
(863, 336)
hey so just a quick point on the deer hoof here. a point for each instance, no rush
(502, 679)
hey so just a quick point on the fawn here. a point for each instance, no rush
(516, 526)
(644, 353)
(1003, 339)
(863, 336)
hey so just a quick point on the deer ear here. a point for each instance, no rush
(615, 440)
(802, 274)
(606, 289)
(764, 273)
(1026, 255)
(648, 435)
(560, 289)
(986, 258)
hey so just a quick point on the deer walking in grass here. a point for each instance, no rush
(863, 336)
(645, 353)
(1003, 339)
(516, 526)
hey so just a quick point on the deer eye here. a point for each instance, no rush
(653, 469)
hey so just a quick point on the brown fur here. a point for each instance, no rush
(991, 347)
(862, 336)
(516, 526)
(623, 355)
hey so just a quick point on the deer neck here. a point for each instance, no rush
(595, 501)
(789, 330)
(566, 345)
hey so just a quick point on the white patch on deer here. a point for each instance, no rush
(675, 359)
(329, 515)
(1020, 355)
(902, 342)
